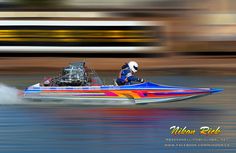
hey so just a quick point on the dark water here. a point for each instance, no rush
(134, 129)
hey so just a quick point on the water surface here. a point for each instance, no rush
(69, 128)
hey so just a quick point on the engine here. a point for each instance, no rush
(73, 75)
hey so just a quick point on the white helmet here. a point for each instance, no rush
(133, 66)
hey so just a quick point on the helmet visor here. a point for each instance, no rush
(136, 68)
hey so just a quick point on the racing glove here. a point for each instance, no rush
(141, 80)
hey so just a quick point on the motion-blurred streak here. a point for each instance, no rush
(57, 14)
(79, 36)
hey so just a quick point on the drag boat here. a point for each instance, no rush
(79, 83)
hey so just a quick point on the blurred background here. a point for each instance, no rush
(180, 36)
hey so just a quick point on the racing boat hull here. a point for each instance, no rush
(128, 94)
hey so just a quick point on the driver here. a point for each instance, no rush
(126, 75)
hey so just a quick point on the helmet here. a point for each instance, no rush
(133, 66)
